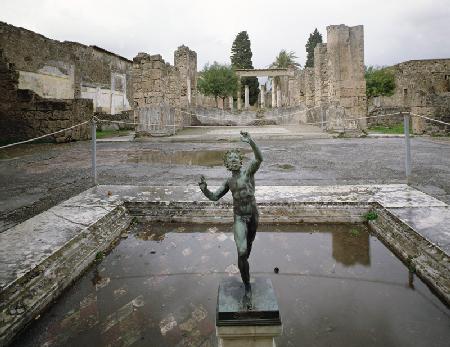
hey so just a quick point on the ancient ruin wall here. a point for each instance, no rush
(185, 60)
(320, 73)
(346, 83)
(155, 81)
(158, 99)
(416, 79)
(25, 115)
(421, 87)
(309, 87)
(55, 69)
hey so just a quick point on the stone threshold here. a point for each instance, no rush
(42, 256)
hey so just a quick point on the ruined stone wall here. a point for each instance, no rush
(435, 107)
(155, 81)
(309, 87)
(320, 74)
(9, 80)
(206, 101)
(25, 115)
(346, 82)
(415, 80)
(337, 79)
(299, 96)
(55, 69)
(185, 60)
(422, 87)
(157, 91)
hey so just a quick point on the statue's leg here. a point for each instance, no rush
(252, 226)
(240, 237)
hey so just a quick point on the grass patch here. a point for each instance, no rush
(99, 256)
(101, 134)
(371, 215)
(393, 129)
(354, 232)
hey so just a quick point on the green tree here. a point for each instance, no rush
(217, 80)
(285, 59)
(241, 58)
(379, 81)
(314, 38)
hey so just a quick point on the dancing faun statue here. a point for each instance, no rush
(242, 186)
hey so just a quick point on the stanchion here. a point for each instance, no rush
(94, 150)
(407, 146)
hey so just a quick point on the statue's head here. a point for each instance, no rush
(233, 159)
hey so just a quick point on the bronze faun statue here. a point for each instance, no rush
(242, 186)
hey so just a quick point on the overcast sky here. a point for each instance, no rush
(394, 30)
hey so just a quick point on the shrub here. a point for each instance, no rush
(379, 81)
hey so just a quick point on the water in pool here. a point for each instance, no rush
(337, 286)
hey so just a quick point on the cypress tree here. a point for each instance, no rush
(313, 40)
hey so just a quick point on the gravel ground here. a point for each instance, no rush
(36, 177)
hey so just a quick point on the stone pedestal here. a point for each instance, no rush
(247, 322)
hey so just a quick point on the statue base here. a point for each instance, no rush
(247, 320)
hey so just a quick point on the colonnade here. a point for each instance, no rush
(276, 88)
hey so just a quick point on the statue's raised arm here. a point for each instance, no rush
(255, 163)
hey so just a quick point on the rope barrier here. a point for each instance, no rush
(43, 136)
(431, 119)
(278, 117)
(114, 121)
(203, 116)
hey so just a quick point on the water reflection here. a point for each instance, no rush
(158, 287)
(198, 157)
(351, 248)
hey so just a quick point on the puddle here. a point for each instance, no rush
(200, 157)
(336, 286)
(286, 167)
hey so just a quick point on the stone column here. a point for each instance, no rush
(274, 86)
(278, 96)
(189, 90)
(239, 101)
(262, 95)
(230, 100)
(247, 95)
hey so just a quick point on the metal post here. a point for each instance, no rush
(94, 151)
(408, 146)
